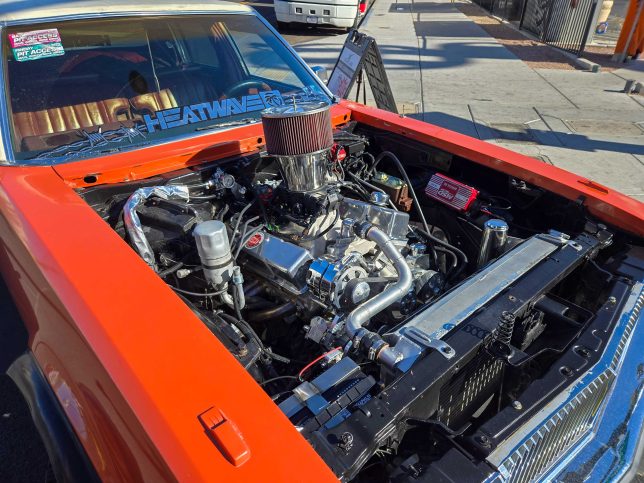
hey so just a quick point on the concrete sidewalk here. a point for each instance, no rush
(446, 70)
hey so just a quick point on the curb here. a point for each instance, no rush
(634, 87)
(587, 65)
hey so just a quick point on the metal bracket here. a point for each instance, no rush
(413, 343)
(423, 339)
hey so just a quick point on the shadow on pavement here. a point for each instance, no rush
(406, 58)
(575, 141)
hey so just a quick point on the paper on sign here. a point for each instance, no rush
(350, 59)
(339, 83)
(35, 37)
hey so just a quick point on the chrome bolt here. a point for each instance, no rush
(612, 300)
(517, 405)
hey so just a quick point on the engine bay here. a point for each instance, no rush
(404, 307)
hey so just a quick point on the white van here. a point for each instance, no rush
(336, 13)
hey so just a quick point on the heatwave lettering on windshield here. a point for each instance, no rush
(210, 111)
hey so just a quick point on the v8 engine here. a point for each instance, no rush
(391, 298)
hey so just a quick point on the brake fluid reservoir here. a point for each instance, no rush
(211, 238)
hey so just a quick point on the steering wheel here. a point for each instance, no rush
(244, 86)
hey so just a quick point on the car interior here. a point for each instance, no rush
(110, 79)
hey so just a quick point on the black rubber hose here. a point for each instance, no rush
(196, 294)
(203, 198)
(419, 208)
(272, 313)
(458, 252)
(252, 288)
(412, 191)
(171, 269)
(324, 232)
(249, 332)
(370, 186)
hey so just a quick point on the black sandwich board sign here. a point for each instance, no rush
(360, 52)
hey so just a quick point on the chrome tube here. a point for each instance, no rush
(493, 239)
(364, 312)
(133, 224)
(304, 172)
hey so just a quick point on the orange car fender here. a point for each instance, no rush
(130, 364)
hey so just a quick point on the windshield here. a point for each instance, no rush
(83, 88)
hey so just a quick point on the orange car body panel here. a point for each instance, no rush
(133, 368)
(131, 365)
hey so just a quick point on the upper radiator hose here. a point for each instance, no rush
(132, 222)
(372, 342)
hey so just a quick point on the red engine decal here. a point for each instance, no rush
(255, 240)
(451, 192)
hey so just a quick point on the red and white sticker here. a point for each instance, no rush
(451, 192)
(34, 37)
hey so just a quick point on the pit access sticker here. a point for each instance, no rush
(35, 37)
(36, 44)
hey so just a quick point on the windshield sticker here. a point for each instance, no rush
(205, 111)
(100, 139)
(35, 37)
(39, 51)
(36, 44)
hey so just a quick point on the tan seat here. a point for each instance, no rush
(154, 101)
(69, 118)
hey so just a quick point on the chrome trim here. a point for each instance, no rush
(124, 13)
(592, 431)
(6, 153)
(5, 129)
(304, 172)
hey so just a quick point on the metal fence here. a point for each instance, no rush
(510, 10)
(562, 23)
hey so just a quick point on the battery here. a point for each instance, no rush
(450, 192)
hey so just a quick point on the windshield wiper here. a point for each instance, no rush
(239, 122)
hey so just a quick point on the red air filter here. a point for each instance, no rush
(296, 129)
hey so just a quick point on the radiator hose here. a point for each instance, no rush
(367, 341)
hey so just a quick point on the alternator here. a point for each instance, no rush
(327, 280)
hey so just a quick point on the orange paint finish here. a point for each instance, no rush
(610, 206)
(131, 365)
